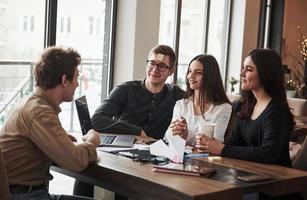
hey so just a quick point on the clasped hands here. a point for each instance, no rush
(203, 143)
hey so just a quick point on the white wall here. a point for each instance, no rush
(137, 31)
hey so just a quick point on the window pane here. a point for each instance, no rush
(21, 42)
(191, 35)
(82, 27)
(167, 22)
(167, 25)
(218, 31)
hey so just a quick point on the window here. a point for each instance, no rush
(218, 32)
(203, 29)
(167, 22)
(84, 24)
(19, 50)
(28, 23)
(65, 24)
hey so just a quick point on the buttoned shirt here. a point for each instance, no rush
(32, 138)
(131, 108)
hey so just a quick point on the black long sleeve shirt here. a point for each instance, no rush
(131, 108)
(265, 139)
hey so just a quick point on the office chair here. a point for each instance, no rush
(300, 162)
(4, 187)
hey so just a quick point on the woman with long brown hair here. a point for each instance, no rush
(205, 101)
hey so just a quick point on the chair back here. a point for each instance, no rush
(298, 106)
(300, 161)
(4, 186)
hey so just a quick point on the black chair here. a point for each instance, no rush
(4, 187)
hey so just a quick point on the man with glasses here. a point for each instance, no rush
(141, 107)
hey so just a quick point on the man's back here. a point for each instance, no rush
(32, 138)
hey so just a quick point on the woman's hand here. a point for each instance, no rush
(180, 127)
(204, 143)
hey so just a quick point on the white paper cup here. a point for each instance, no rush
(206, 129)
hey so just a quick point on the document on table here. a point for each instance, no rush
(174, 151)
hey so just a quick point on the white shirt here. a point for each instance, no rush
(219, 115)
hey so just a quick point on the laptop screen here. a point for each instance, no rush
(83, 114)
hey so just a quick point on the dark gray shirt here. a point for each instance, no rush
(131, 108)
(265, 139)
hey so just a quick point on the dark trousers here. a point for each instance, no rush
(83, 189)
(87, 190)
(292, 196)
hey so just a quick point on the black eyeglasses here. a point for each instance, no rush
(160, 66)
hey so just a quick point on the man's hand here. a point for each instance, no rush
(143, 138)
(92, 137)
(72, 138)
(143, 134)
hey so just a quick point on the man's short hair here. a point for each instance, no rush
(165, 50)
(53, 64)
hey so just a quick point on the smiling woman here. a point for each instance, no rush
(205, 101)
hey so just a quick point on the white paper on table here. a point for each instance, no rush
(174, 151)
(177, 144)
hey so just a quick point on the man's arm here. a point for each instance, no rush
(104, 117)
(48, 134)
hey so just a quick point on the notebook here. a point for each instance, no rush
(114, 140)
(185, 169)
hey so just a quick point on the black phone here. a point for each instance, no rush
(254, 178)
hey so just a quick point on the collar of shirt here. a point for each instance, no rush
(156, 95)
(42, 94)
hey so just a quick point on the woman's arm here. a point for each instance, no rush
(275, 138)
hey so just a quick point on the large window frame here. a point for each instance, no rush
(49, 39)
(109, 39)
(177, 28)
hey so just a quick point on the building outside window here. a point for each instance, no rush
(19, 51)
(203, 29)
(84, 36)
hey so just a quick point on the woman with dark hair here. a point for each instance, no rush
(205, 101)
(265, 121)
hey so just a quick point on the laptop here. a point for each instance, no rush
(112, 140)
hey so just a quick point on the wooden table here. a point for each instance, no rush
(137, 180)
(287, 180)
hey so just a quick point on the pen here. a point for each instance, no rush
(196, 155)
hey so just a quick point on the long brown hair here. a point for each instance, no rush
(212, 89)
(271, 77)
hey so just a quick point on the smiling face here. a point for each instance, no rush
(195, 75)
(249, 75)
(153, 74)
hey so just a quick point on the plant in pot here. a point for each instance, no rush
(290, 88)
(233, 82)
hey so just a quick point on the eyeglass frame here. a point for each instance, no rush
(158, 65)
